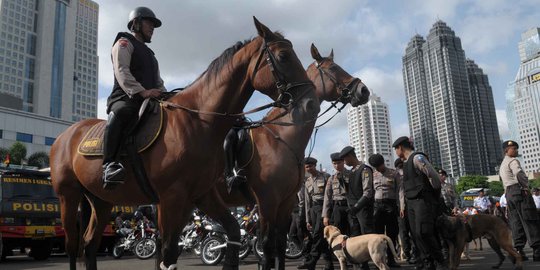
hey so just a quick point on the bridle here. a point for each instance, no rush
(285, 98)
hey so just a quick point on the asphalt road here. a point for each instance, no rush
(480, 259)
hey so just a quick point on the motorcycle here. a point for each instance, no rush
(293, 250)
(193, 235)
(214, 246)
(141, 240)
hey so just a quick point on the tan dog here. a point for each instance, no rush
(359, 249)
(459, 230)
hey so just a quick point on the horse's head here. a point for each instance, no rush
(278, 73)
(336, 83)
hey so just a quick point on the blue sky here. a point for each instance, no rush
(368, 38)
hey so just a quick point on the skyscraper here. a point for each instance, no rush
(369, 130)
(527, 99)
(448, 114)
(48, 57)
(48, 68)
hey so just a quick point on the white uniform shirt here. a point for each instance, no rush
(502, 201)
(537, 201)
(482, 203)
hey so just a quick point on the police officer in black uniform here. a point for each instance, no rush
(136, 77)
(422, 191)
(408, 246)
(360, 193)
(522, 216)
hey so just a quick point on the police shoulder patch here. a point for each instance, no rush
(123, 42)
(420, 158)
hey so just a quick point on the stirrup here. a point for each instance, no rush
(113, 174)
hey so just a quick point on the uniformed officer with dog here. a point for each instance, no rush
(314, 198)
(335, 200)
(521, 209)
(422, 191)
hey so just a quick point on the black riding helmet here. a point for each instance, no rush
(143, 13)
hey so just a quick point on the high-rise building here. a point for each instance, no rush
(369, 130)
(527, 100)
(48, 57)
(449, 119)
(48, 63)
(485, 118)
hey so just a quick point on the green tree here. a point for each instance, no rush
(3, 153)
(496, 188)
(471, 181)
(39, 159)
(535, 183)
(17, 152)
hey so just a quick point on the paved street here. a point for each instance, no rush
(479, 260)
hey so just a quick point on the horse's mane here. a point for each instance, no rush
(225, 58)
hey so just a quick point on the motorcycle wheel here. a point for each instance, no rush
(245, 248)
(145, 248)
(212, 257)
(117, 251)
(258, 249)
(294, 250)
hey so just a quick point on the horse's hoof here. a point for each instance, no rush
(163, 267)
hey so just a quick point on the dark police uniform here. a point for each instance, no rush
(360, 194)
(407, 242)
(422, 191)
(315, 186)
(335, 202)
(522, 213)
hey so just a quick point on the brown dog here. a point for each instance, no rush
(359, 249)
(459, 230)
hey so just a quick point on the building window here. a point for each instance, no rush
(49, 141)
(1, 134)
(24, 137)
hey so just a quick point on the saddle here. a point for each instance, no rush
(144, 133)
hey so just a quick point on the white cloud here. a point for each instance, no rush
(386, 84)
(102, 108)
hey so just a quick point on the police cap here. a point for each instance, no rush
(376, 160)
(510, 143)
(345, 151)
(336, 156)
(310, 161)
(403, 140)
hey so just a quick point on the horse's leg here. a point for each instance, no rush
(268, 208)
(92, 237)
(283, 219)
(212, 205)
(69, 203)
(172, 216)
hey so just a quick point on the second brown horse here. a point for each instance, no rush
(274, 168)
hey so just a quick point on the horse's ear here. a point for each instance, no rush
(331, 56)
(263, 31)
(315, 53)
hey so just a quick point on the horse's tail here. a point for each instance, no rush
(390, 245)
(84, 219)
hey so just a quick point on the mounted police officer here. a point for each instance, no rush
(314, 198)
(388, 191)
(335, 201)
(522, 215)
(422, 190)
(136, 77)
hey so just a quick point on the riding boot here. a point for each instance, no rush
(113, 171)
(231, 173)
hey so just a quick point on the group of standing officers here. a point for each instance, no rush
(404, 201)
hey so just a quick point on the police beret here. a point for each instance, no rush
(335, 156)
(398, 162)
(510, 143)
(345, 151)
(376, 160)
(403, 140)
(310, 160)
(443, 172)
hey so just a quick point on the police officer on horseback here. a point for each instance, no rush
(136, 78)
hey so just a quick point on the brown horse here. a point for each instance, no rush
(181, 164)
(275, 169)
